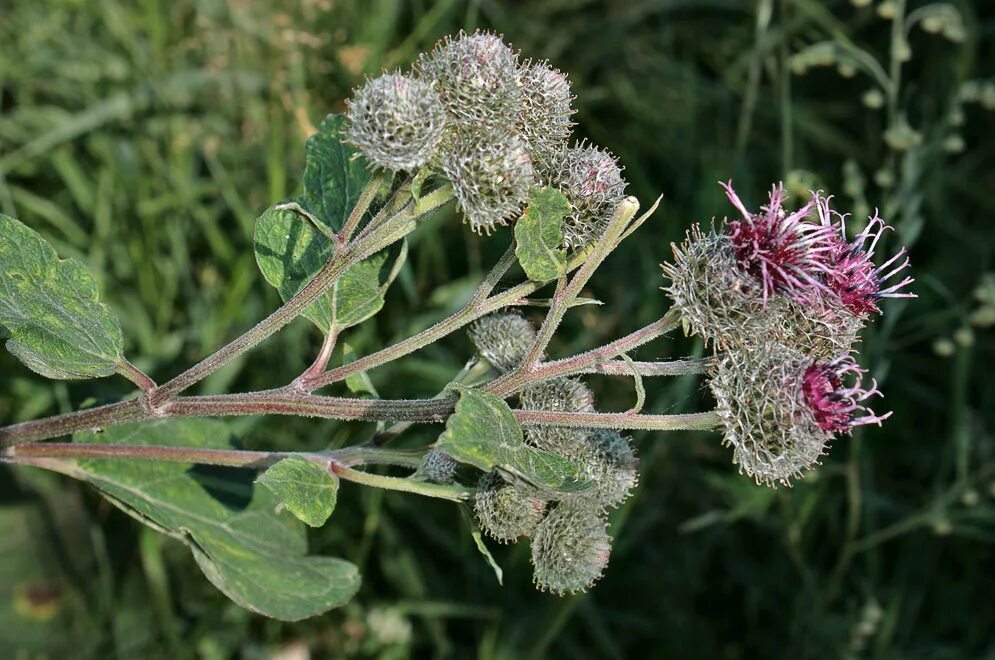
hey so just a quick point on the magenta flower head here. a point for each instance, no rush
(786, 252)
(726, 305)
(780, 409)
(853, 276)
(837, 406)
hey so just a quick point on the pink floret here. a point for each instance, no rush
(853, 276)
(836, 406)
(786, 252)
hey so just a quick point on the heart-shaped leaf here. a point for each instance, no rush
(291, 249)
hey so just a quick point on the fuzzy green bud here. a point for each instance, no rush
(396, 122)
(507, 511)
(438, 466)
(477, 78)
(557, 395)
(503, 339)
(491, 173)
(570, 549)
(592, 182)
(546, 111)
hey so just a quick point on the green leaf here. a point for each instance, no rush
(305, 489)
(478, 540)
(360, 381)
(50, 309)
(484, 433)
(254, 554)
(334, 176)
(547, 470)
(290, 250)
(539, 235)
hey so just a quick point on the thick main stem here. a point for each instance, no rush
(282, 402)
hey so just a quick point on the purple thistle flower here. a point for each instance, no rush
(785, 252)
(836, 406)
(853, 276)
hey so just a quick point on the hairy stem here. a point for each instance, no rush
(282, 402)
(362, 206)
(136, 376)
(480, 305)
(587, 362)
(452, 493)
(391, 230)
(621, 421)
(258, 460)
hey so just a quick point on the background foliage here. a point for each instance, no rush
(145, 138)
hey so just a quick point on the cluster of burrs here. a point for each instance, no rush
(494, 127)
(782, 296)
(570, 544)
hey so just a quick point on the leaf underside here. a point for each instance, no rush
(254, 554)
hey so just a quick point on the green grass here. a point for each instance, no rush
(145, 138)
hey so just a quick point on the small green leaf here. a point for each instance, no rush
(334, 176)
(539, 235)
(50, 309)
(359, 382)
(547, 470)
(478, 540)
(305, 489)
(290, 250)
(484, 433)
(255, 555)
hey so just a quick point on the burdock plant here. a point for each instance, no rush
(779, 294)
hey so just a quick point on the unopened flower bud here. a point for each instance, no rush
(438, 466)
(557, 395)
(610, 463)
(546, 111)
(506, 511)
(592, 182)
(477, 77)
(491, 173)
(396, 122)
(570, 549)
(503, 339)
